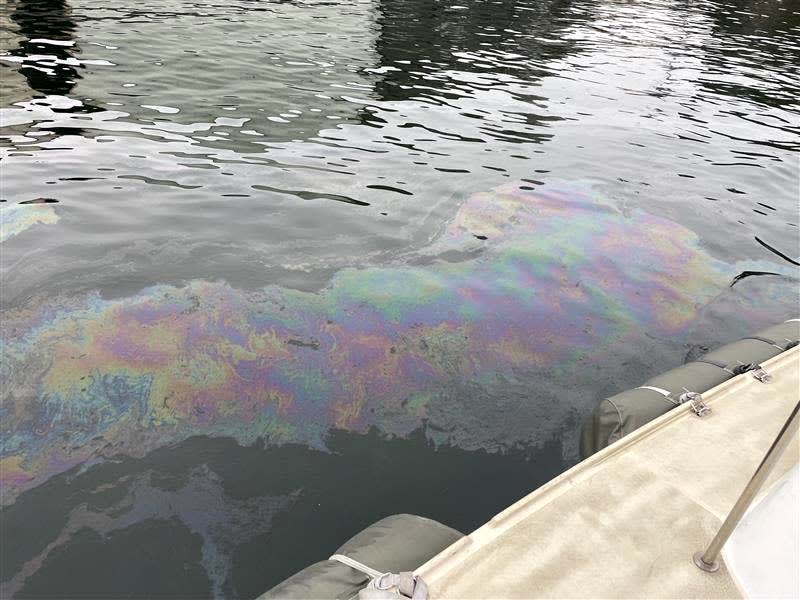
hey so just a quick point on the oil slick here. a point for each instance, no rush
(16, 218)
(558, 280)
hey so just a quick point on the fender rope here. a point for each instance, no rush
(408, 585)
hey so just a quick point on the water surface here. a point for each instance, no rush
(274, 270)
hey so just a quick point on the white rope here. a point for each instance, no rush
(354, 564)
(661, 391)
(381, 584)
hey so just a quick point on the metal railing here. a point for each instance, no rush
(708, 560)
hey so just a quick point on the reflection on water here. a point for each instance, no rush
(46, 36)
(257, 255)
(767, 72)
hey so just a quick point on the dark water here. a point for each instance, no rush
(274, 270)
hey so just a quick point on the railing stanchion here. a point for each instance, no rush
(708, 560)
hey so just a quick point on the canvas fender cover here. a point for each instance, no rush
(742, 352)
(397, 543)
(783, 334)
(692, 377)
(619, 415)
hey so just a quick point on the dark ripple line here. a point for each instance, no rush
(778, 252)
(306, 195)
(166, 182)
(389, 188)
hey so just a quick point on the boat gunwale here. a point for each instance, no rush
(511, 516)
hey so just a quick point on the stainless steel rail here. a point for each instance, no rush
(708, 560)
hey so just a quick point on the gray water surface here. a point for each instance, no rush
(177, 175)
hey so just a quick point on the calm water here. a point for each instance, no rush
(274, 270)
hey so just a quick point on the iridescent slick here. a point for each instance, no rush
(17, 218)
(518, 281)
